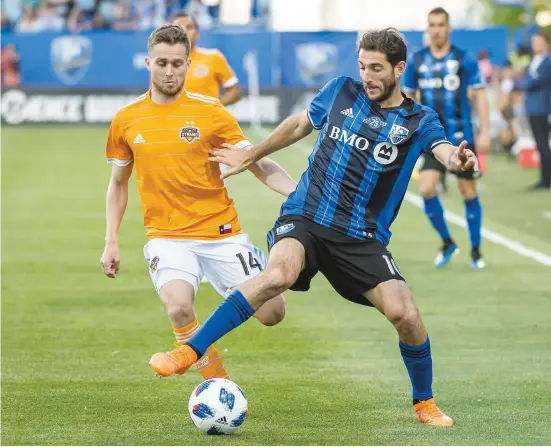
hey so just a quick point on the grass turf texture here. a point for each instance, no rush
(75, 344)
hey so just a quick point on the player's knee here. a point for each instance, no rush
(280, 278)
(177, 303)
(427, 189)
(467, 189)
(402, 313)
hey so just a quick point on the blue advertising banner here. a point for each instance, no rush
(115, 60)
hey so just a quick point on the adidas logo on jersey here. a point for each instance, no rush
(222, 420)
(139, 139)
(348, 112)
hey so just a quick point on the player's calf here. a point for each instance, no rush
(272, 311)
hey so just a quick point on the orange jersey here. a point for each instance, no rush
(208, 71)
(181, 191)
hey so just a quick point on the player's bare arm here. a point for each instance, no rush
(456, 159)
(231, 95)
(115, 206)
(483, 109)
(291, 130)
(273, 176)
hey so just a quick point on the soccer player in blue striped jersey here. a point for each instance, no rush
(444, 75)
(338, 219)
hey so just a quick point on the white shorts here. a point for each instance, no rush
(226, 263)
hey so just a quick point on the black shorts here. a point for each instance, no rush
(430, 163)
(352, 266)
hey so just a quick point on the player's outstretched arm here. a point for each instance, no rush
(288, 132)
(273, 176)
(115, 206)
(456, 159)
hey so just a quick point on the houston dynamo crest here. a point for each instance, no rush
(71, 57)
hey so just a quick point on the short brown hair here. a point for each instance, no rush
(170, 34)
(388, 41)
(440, 10)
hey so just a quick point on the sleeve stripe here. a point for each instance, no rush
(118, 162)
(436, 143)
(230, 82)
(311, 121)
(243, 144)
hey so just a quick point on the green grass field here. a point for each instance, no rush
(75, 344)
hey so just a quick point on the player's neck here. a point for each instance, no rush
(393, 100)
(439, 52)
(158, 98)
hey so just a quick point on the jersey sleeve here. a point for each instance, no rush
(410, 81)
(432, 133)
(227, 130)
(472, 72)
(117, 150)
(319, 108)
(224, 73)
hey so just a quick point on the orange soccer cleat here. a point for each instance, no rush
(428, 413)
(177, 361)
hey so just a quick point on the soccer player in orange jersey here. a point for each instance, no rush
(209, 71)
(191, 223)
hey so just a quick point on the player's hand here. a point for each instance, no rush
(238, 160)
(483, 143)
(463, 159)
(110, 260)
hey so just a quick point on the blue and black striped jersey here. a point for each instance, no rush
(362, 161)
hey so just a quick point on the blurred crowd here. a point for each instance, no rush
(32, 16)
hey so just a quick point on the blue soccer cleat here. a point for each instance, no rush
(477, 261)
(444, 256)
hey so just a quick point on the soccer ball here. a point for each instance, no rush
(217, 407)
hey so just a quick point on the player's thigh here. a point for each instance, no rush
(392, 298)
(295, 250)
(429, 176)
(170, 263)
(355, 268)
(229, 262)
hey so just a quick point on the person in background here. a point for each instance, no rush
(10, 67)
(536, 84)
(209, 72)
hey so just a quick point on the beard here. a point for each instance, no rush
(168, 90)
(388, 88)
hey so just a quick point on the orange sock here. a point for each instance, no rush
(210, 365)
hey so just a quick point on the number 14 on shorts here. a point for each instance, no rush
(253, 263)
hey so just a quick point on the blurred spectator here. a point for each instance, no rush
(81, 17)
(10, 67)
(62, 7)
(48, 19)
(151, 13)
(485, 66)
(536, 83)
(125, 17)
(13, 10)
(4, 21)
(200, 12)
(28, 23)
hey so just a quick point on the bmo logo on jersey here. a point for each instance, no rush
(450, 82)
(354, 140)
(385, 153)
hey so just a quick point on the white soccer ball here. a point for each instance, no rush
(217, 407)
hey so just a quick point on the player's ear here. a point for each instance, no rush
(147, 63)
(399, 69)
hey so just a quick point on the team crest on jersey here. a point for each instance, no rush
(398, 134)
(153, 264)
(452, 66)
(201, 71)
(190, 134)
(374, 122)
